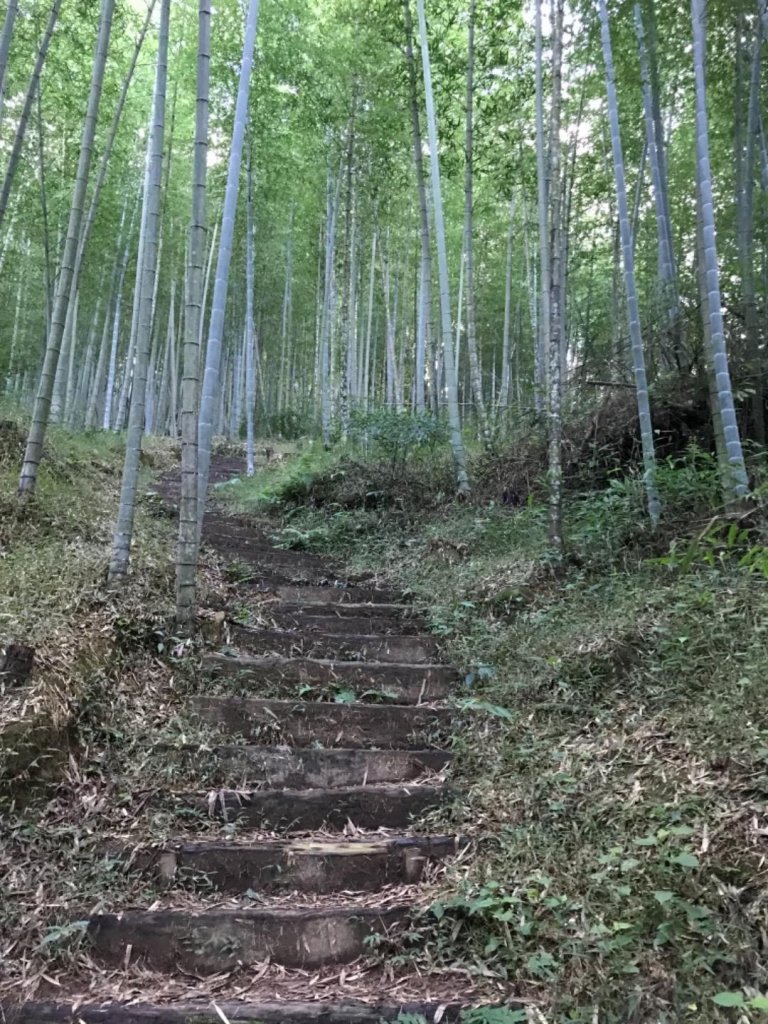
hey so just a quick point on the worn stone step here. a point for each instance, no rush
(339, 595)
(323, 620)
(307, 810)
(302, 865)
(366, 646)
(211, 941)
(395, 613)
(201, 1011)
(402, 684)
(257, 544)
(303, 768)
(260, 554)
(307, 723)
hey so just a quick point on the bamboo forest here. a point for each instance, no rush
(383, 511)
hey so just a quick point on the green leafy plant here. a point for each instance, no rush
(397, 437)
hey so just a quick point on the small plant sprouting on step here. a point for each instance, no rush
(493, 1015)
(65, 937)
(481, 673)
(292, 539)
(238, 571)
(473, 1015)
(345, 697)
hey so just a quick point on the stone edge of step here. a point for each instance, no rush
(346, 1011)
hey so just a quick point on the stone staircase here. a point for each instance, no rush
(331, 746)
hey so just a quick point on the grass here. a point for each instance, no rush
(616, 751)
(104, 722)
(54, 552)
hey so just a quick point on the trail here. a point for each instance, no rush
(330, 708)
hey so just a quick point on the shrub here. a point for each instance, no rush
(397, 437)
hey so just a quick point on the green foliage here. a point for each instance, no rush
(287, 425)
(388, 460)
(66, 936)
(473, 1015)
(397, 437)
(290, 482)
(722, 545)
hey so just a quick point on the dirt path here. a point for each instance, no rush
(329, 708)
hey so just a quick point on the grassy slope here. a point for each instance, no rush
(104, 692)
(621, 776)
(53, 559)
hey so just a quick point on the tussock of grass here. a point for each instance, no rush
(620, 781)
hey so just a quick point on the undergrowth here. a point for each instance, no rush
(616, 761)
(75, 763)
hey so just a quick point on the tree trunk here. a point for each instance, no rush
(34, 448)
(734, 482)
(369, 325)
(109, 393)
(21, 128)
(542, 176)
(327, 311)
(287, 313)
(5, 46)
(555, 460)
(393, 387)
(69, 391)
(347, 314)
(701, 277)
(10, 377)
(655, 146)
(658, 121)
(425, 325)
(121, 545)
(454, 419)
(746, 235)
(505, 355)
(216, 329)
(107, 154)
(633, 314)
(250, 382)
(96, 391)
(47, 267)
(474, 362)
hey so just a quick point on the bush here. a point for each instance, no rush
(390, 459)
(396, 437)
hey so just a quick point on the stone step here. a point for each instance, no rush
(396, 614)
(256, 552)
(398, 683)
(257, 544)
(339, 595)
(307, 723)
(302, 865)
(402, 684)
(324, 620)
(302, 768)
(307, 810)
(201, 1011)
(214, 940)
(366, 646)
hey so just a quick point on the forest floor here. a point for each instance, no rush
(611, 742)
